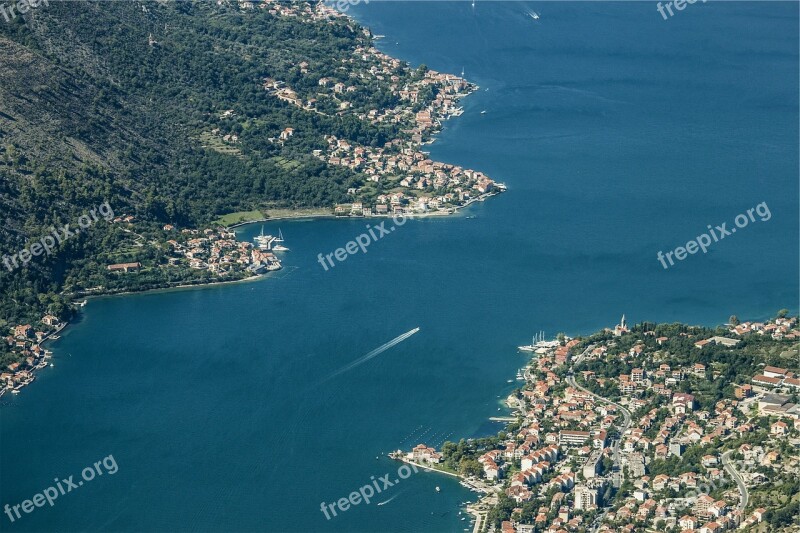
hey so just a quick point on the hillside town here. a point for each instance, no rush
(627, 430)
(414, 183)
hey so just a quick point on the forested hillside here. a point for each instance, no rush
(160, 109)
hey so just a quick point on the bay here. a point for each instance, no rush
(619, 135)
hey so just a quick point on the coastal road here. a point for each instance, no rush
(743, 495)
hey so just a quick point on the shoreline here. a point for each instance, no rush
(54, 335)
(622, 423)
(254, 277)
(478, 509)
(311, 216)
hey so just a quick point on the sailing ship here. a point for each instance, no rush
(279, 239)
(536, 341)
(264, 241)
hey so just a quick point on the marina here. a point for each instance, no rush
(537, 343)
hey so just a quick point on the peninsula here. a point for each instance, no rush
(657, 426)
(333, 129)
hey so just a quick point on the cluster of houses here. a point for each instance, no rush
(780, 328)
(406, 168)
(563, 442)
(399, 162)
(214, 250)
(678, 424)
(25, 343)
(218, 251)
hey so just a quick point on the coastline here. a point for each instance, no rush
(283, 214)
(300, 215)
(54, 335)
(526, 484)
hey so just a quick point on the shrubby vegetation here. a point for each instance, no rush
(125, 102)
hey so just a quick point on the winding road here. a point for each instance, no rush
(626, 415)
(744, 497)
(626, 423)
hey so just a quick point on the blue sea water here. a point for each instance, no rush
(619, 134)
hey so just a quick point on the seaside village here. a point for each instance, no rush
(219, 252)
(214, 250)
(564, 453)
(398, 165)
(26, 341)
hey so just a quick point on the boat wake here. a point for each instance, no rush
(390, 499)
(374, 353)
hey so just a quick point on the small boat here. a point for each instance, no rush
(438, 489)
(510, 381)
(51, 365)
(483, 112)
(534, 15)
(15, 391)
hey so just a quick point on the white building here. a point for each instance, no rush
(585, 498)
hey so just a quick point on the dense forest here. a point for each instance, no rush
(129, 102)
